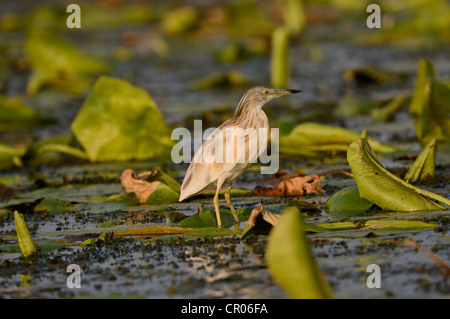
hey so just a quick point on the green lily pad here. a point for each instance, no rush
(208, 219)
(383, 188)
(55, 61)
(346, 203)
(179, 20)
(211, 232)
(16, 116)
(56, 206)
(221, 80)
(387, 112)
(291, 262)
(424, 165)
(351, 106)
(314, 137)
(120, 122)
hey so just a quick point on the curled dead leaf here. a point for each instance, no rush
(137, 184)
(266, 214)
(298, 185)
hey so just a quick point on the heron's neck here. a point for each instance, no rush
(250, 116)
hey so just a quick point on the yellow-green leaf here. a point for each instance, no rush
(291, 262)
(424, 165)
(27, 246)
(383, 188)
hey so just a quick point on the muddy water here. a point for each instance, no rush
(219, 267)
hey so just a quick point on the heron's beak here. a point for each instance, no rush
(281, 92)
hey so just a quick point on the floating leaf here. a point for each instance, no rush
(346, 202)
(387, 112)
(211, 232)
(383, 188)
(314, 137)
(27, 246)
(430, 105)
(179, 20)
(150, 187)
(120, 122)
(291, 262)
(56, 61)
(208, 219)
(221, 80)
(153, 231)
(424, 165)
(351, 106)
(379, 224)
(16, 116)
(51, 205)
(11, 155)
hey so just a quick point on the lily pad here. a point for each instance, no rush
(208, 219)
(346, 202)
(314, 137)
(16, 116)
(120, 122)
(56, 206)
(55, 61)
(383, 188)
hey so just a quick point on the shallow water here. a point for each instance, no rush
(217, 267)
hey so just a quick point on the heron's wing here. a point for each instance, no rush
(225, 148)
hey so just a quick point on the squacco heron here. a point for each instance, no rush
(231, 148)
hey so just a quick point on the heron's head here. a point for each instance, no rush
(259, 95)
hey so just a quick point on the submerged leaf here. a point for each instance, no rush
(291, 261)
(27, 246)
(383, 188)
(424, 165)
(120, 122)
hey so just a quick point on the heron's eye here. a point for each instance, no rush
(266, 92)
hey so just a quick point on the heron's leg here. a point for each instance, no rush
(228, 199)
(216, 201)
(216, 208)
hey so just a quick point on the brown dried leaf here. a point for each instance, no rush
(267, 215)
(137, 184)
(297, 185)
